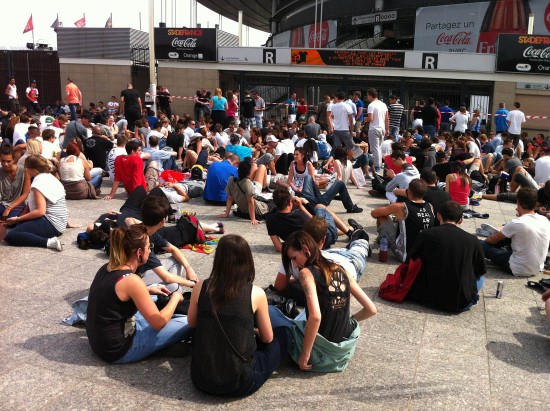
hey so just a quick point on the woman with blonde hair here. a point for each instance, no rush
(123, 323)
(218, 105)
(34, 147)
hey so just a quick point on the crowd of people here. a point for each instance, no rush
(285, 173)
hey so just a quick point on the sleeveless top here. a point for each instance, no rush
(458, 192)
(71, 170)
(12, 91)
(218, 103)
(298, 178)
(11, 190)
(334, 301)
(419, 217)
(110, 323)
(222, 353)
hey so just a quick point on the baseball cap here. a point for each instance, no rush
(33, 81)
(271, 139)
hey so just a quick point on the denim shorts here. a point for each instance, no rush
(332, 230)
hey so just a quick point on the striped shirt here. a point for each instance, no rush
(54, 193)
(396, 112)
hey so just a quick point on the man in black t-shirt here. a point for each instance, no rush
(247, 109)
(293, 212)
(429, 117)
(97, 147)
(130, 105)
(453, 264)
(176, 139)
(164, 99)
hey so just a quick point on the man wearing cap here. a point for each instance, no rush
(32, 98)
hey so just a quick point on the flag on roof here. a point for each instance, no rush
(56, 24)
(80, 23)
(109, 22)
(29, 26)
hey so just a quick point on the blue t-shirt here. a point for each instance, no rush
(152, 120)
(241, 151)
(216, 181)
(218, 103)
(291, 106)
(501, 122)
(359, 104)
(446, 113)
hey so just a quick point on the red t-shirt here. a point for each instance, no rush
(392, 166)
(129, 170)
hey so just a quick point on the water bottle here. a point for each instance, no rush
(383, 253)
(179, 213)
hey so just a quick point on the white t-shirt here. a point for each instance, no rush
(49, 150)
(473, 149)
(340, 113)
(542, 170)
(353, 107)
(113, 154)
(222, 138)
(153, 133)
(385, 147)
(515, 118)
(379, 113)
(19, 132)
(530, 236)
(188, 133)
(300, 142)
(287, 146)
(461, 121)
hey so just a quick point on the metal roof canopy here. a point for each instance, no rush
(256, 13)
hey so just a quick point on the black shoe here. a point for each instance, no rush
(355, 209)
(359, 234)
(354, 224)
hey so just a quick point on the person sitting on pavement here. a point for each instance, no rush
(393, 164)
(76, 175)
(252, 179)
(458, 185)
(453, 264)
(228, 310)
(520, 247)
(299, 168)
(129, 171)
(217, 178)
(401, 181)
(326, 340)
(353, 258)
(413, 216)
(123, 323)
(47, 217)
(293, 212)
(15, 184)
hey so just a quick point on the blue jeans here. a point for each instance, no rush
(267, 358)
(479, 284)
(499, 256)
(278, 319)
(332, 230)
(96, 181)
(14, 212)
(357, 254)
(32, 233)
(430, 130)
(363, 160)
(259, 122)
(311, 193)
(147, 340)
(73, 108)
(394, 131)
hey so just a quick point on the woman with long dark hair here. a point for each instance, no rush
(458, 184)
(299, 168)
(326, 341)
(229, 357)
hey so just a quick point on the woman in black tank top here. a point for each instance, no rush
(228, 358)
(328, 289)
(123, 323)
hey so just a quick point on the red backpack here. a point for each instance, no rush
(396, 286)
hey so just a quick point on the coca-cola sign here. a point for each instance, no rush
(460, 38)
(523, 53)
(547, 17)
(191, 44)
(319, 35)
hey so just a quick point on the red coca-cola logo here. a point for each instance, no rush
(547, 17)
(460, 38)
(322, 32)
(537, 53)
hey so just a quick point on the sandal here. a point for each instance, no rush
(535, 285)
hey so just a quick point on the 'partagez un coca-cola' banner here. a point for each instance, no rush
(474, 27)
(185, 44)
(518, 53)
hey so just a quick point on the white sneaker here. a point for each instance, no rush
(55, 244)
(489, 228)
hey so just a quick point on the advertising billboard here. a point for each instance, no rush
(354, 58)
(253, 55)
(474, 27)
(305, 36)
(518, 53)
(185, 44)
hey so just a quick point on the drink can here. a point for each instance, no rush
(500, 286)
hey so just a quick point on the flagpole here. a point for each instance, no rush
(32, 30)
